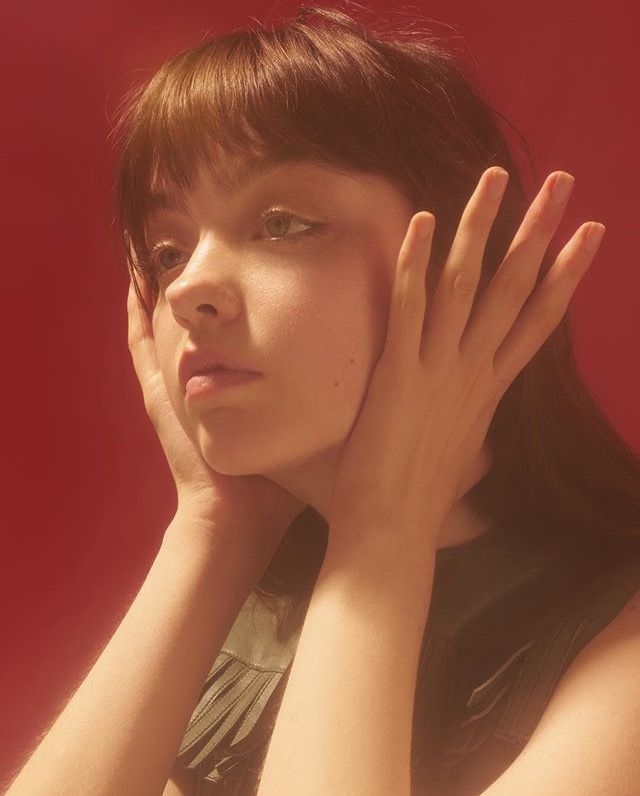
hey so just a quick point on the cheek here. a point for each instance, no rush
(333, 340)
(168, 343)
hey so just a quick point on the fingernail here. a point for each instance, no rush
(425, 227)
(593, 236)
(562, 187)
(499, 179)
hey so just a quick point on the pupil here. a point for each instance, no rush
(281, 221)
(163, 253)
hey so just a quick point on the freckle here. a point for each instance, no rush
(336, 383)
(351, 360)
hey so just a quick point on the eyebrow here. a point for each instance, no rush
(229, 182)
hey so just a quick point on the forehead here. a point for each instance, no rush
(230, 175)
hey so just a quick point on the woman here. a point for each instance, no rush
(408, 489)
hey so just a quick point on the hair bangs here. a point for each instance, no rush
(247, 100)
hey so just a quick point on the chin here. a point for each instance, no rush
(244, 445)
(233, 459)
(229, 451)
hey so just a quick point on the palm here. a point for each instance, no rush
(250, 504)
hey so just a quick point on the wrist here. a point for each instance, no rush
(217, 546)
(360, 535)
(379, 556)
(197, 504)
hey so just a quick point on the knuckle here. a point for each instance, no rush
(480, 217)
(478, 211)
(539, 224)
(547, 317)
(545, 313)
(411, 303)
(515, 290)
(462, 284)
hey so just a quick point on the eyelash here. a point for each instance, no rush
(314, 228)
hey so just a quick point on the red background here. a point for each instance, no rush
(86, 491)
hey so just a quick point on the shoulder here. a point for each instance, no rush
(556, 708)
(587, 741)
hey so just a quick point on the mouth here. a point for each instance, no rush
(217, 380)
(200, 362)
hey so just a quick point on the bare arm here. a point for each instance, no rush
(121, 730)
(345, 728)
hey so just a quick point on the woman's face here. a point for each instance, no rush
(307, 309)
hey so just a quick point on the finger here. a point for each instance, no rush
(549, 305)
(454, 296)
(133, 320)
(135, 315)
(516, 277)
(139, 284)
(141, 340)
(138, 296)
(408, 294)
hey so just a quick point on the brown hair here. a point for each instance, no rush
(323, 86)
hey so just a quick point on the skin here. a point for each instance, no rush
(124, 723)
(417, 438)
(431, 398)
(310, 311)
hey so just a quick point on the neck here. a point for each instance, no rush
(311, 481)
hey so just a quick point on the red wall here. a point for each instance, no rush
(86, 492)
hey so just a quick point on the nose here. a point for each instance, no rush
(207, 289)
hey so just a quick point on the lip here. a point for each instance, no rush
(193, 363)
(216, 381)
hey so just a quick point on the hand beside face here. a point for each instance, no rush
(441, 374)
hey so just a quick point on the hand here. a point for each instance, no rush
(435, 388)
(252, 510)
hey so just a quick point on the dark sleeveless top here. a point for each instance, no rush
(508, 614)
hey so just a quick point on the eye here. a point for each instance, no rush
(278, 221)
(161, 254)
